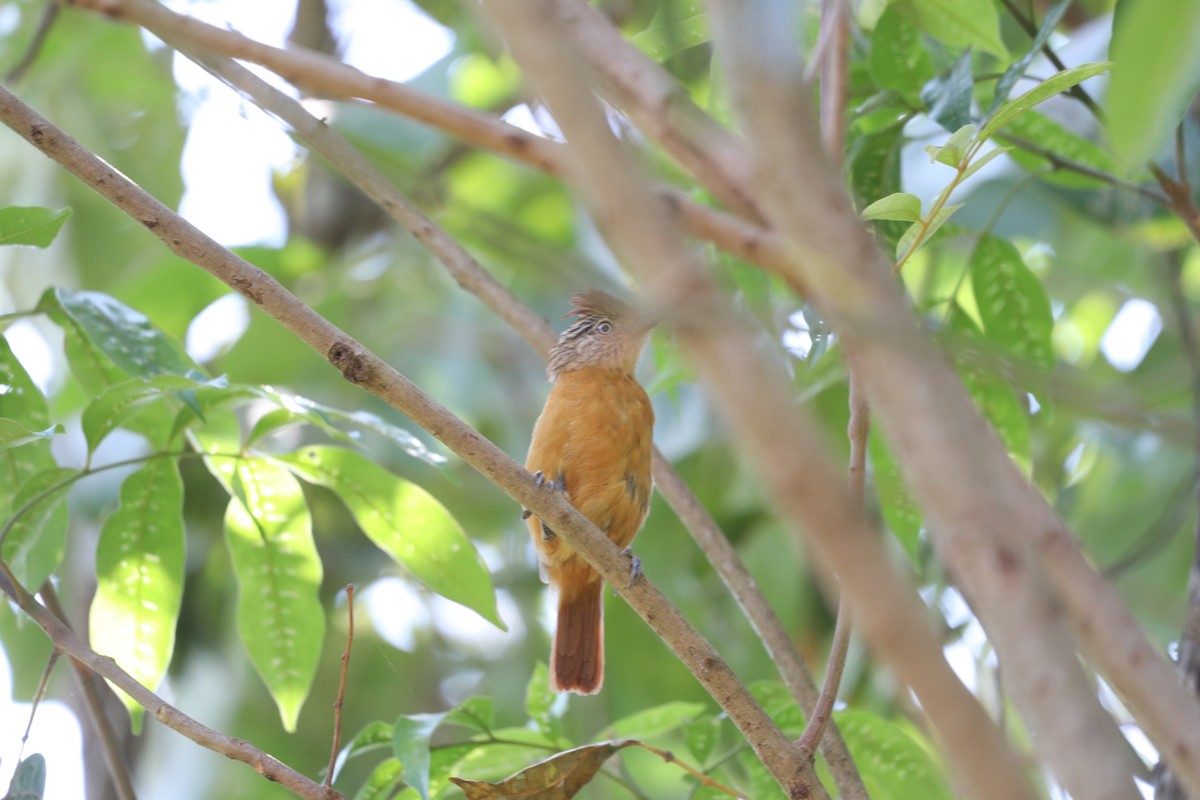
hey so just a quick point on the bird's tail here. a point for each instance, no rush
(577, 657)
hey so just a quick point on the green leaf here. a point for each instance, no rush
(373, 735)
(121, 402)
(875, 172)
(656, 721)
(899, 60)
(901, 206)
(1016, 70)
(37, 538)
(667, 35)
(406, 522)
(780, 706)
(701, 737)
(996, 399)
(1054, 85)
(410, 743)
(31, 225)
(520, 747)
(900, 511)
(894, 766)
(539, 703)
(982, 161)
(474, 712)
(279, 574)
(29, 779)
(1012, 304)
(21, 402)
(1054, 138)
(958, 23)
(382, 782)
(139, 578)
(123, 334)
(948, 98)
(1156, 72)
(13, 434)
(955, 148)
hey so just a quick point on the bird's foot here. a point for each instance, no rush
(635, 566)
(542, 482)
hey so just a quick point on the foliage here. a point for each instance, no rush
(197, 506)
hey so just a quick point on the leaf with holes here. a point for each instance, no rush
(1012, 304)
(279, 614)
(899, 59)
(406, 522)
(37, 536)
(139, 577)
(31, 225)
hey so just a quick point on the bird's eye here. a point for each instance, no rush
(604, 327)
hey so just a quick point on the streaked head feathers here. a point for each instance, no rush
(606, 334)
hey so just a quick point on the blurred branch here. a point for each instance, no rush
(109, 743)
(362, 367)
(992, 528)
(325, 76)
(65, 640)
(1067, 165)
(36, 42)
(809, 492)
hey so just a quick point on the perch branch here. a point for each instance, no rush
(809, 492)
(363, 368)
(993, 529)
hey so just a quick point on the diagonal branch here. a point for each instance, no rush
(361, 367)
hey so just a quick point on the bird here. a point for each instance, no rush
(593, 442)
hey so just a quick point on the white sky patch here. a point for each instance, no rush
(217, 328)
(391, 39)
(469, 631)
(1131, 334)
(56, 735)
(798, 341)
(33, 351)
(397, 611)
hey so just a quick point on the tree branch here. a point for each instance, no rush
(361, 367)
(994, 530)
(237, 749)
(798, 477)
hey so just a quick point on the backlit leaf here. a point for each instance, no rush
(279, 574)
(1054, 85)
(410, 743)
(893, 765)
(139, 577)
(958, 23)
(1012, 304)
(37, 538)
(655, 721)
(899, 59)
(31, 225)
(406, 522)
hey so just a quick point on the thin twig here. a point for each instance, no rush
(701, 778)
(1181, 168)
(36, 42)
(341, 693)
(110, 744)
(1067, 165)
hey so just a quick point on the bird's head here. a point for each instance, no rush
(607, 333)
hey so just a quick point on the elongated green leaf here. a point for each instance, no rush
(875, 172)
(123, 334)
(900, 511)
(958, 23)
(899, 59)
(139, 577)
(1048, 135)
(279, 574)
(31, 225)
(1156, 72)
(1012, 303)
(21, 402)
(406, 522)
(656, 721)
(37, 539)
(410, 743)
(539, 703)
(901, 206)
(893, 764)
(1054, 85)
(382, 782)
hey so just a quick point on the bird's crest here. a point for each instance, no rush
(594, 302)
